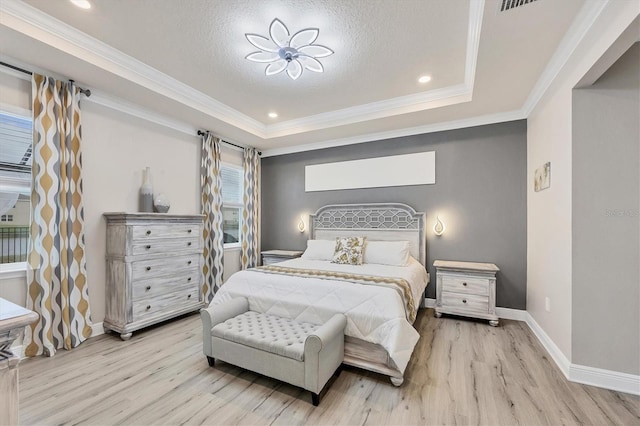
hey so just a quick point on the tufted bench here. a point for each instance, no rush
(302, 354)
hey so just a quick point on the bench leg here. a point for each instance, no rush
(211, 360)
(315, 399)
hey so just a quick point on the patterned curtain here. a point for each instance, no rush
(56, 268)
(211, 185)
(249, 233)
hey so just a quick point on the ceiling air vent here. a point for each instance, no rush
(510, 4)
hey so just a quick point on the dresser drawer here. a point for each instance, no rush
(162, 231)
(164, 246)
(465, 303)
(465, 284)
(161, 304)
(169, 266)
(161, 285)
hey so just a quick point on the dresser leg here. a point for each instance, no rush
(125, 336)
(494, 323)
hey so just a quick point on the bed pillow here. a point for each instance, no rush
(349, 250)
(319, 250)
(394, 253)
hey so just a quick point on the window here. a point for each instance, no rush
(15, 187)
(232, 188)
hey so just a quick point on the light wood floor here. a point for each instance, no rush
(462, 372)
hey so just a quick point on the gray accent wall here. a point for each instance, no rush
(606, 219)
(480, 194)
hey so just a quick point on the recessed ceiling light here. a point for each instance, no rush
(424, 79)
(273, 115)
(82, 4)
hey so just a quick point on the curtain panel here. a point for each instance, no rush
(57, 286)
(249, 232)
(211, 186)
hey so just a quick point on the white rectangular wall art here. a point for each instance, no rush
(395, 170)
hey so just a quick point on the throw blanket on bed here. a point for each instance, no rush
(400, 285)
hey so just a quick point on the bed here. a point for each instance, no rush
(379, 335)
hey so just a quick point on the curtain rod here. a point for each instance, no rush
(85, 92)
(204, 132)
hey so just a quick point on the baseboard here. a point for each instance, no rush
(614, 380)
(552, 349)
(607, 379)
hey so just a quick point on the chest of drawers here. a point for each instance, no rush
(467, 289)
(154, 269)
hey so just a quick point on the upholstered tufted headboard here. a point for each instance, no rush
(376, 221)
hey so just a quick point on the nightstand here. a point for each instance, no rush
(467, 289)
(274, 256)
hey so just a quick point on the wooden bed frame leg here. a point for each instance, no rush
(397, 381)
(315, 399)
(211, 361)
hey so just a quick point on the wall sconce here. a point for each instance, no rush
(439, 227)
(301, 225)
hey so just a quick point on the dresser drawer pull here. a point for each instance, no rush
(189, 231)
(464, 300)
(189, 279)
(464, 284)
(148, 232)
(147, 247)
(148, 287)
(188, 296)
(189, 243)
(148, 268)
(189, 263)
(148, 307)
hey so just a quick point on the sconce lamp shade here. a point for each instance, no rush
(439, 227)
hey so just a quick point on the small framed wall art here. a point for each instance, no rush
(542, 177)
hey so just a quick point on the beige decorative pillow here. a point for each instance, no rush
(349, 250)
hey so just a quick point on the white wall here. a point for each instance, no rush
(549, 138)
(116, 148)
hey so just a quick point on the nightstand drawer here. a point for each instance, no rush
(465, 303)
(465, 284)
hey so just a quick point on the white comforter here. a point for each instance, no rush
(374, 314)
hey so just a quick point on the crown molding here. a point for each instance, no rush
(396, 106)
(579, 28)
(40, 26)
(428, 128)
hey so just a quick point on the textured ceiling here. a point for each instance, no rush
(381, 47)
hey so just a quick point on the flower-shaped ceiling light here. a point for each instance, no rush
(285, 52)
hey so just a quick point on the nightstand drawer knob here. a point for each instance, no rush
(148, 268)
(148, 232)
(148, 287)
(464, 300)
(464, 284)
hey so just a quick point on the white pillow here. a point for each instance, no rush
(319, 250)
(394, 253)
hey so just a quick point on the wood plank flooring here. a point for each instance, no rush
(462, 372)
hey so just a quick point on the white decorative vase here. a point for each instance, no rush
(161, 203)
(146, 193)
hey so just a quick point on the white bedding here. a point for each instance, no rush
(374, 314)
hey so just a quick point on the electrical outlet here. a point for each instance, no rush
(547, 304)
